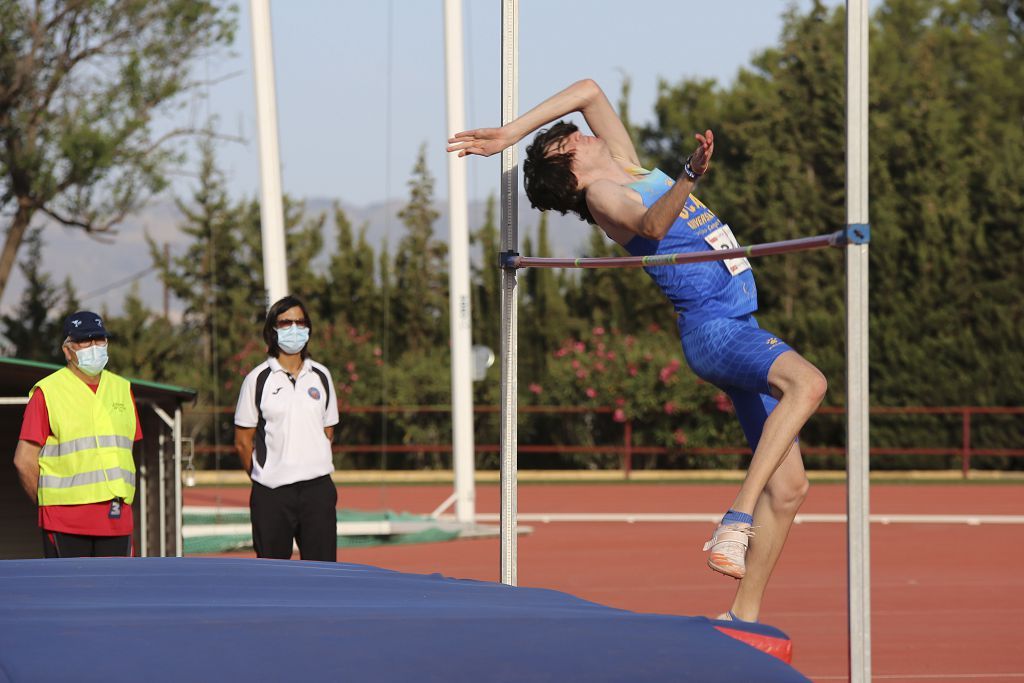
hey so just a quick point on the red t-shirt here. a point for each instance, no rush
(90, 519)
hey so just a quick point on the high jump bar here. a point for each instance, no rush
(840, 238)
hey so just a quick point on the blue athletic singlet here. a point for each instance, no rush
(699, 291)
(715, 300)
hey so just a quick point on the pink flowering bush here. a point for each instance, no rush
(641, 378)
(354, 358)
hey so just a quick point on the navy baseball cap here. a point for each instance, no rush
(84, 325)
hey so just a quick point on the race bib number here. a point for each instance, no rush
(724, 239)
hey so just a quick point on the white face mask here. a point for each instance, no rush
(292, 339)
(92, 360)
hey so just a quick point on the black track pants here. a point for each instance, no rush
(303, 512)
(60, 544)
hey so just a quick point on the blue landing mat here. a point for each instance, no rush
(199, 619)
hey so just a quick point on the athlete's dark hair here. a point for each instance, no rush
(550, 183)
(270, 326)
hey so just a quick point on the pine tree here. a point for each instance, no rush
(146, 345)
(420, 298)
(351, 294)
(304, 241)
(487, 281)
(953, 247)
(946, 252)
(544, 315)
(35, 328)
(219, 280)
(385, 328)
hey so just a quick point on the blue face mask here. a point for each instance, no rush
(92, 360)
(292, 339)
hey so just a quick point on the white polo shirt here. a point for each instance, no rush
(289, 444)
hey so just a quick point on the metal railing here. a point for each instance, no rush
(627, 451)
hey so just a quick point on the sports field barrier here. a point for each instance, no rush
(629, 452)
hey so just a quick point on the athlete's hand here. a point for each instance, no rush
(482, 141)
(700, 162)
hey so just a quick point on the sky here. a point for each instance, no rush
(360, 85)
(360, 88)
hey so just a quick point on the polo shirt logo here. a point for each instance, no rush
(314, 393)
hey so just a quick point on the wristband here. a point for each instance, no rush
(688, 170)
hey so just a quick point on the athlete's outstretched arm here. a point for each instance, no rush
(583, 96)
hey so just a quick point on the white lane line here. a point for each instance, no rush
(709, 517)
(812, 518)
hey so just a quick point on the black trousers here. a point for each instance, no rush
(60, 544)
(303, 512)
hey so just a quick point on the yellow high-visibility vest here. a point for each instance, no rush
(88, 457)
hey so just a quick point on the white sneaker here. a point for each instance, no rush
(728, 549)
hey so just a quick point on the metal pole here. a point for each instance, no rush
(143, 512)
(857, 396)
(275, 270)
(161, 499)
(177, 482)
(509, 295)
(627, 454)
(174, 424)
(460, 312)
(167, 290)
(965, 453)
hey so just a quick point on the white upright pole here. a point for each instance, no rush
(143, 510)
(162, 500)
(178, 506)
(857, 397)
(275, 272)
(509, 295)
(459, 309)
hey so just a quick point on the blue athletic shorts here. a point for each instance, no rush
(735, 355)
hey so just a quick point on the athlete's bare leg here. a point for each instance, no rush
(800, 388)
(773, 517)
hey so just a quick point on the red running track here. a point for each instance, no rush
(947, 599)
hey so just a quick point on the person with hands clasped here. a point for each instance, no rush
(773, 389)
(284, 424)
(74, 454)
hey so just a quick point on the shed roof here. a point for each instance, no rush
(17, 376)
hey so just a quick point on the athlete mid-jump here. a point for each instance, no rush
(773, 388)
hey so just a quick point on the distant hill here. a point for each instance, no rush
(95, 265)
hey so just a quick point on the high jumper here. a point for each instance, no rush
(773, 388)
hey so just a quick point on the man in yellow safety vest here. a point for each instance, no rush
(74, 454)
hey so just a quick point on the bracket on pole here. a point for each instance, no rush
(858, 233)
(507, 259)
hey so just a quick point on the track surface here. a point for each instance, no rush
(947, 599)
